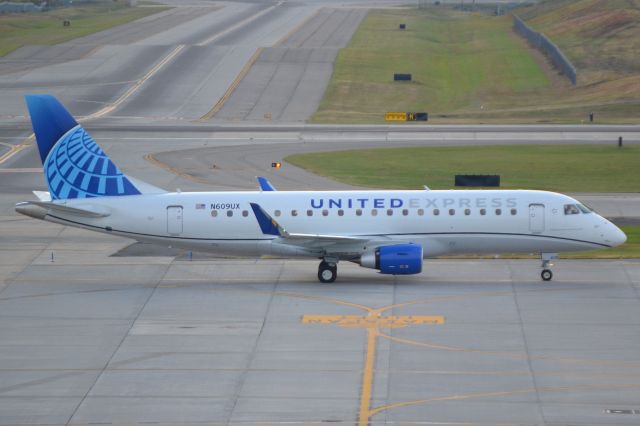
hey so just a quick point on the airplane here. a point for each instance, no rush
(389, 231)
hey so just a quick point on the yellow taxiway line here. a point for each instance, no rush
(17, 148)
(227, 94)
(25, 143)
(372, 322)
(137, 85)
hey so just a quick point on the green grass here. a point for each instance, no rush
(457, 60)
(599, 36)
(17, 30)
(563, 168)
(472, 68)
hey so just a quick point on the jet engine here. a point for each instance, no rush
(399, 259)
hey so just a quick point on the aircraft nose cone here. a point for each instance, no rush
(616, 236)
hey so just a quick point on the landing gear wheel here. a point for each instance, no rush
(546, 275)
(327, 273)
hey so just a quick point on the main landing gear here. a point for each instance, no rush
(328, 271)
(546, 258)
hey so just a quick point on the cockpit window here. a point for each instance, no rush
(584, 208)
(571, 209)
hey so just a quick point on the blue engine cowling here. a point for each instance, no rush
(399, 259)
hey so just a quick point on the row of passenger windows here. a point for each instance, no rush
(374, 212)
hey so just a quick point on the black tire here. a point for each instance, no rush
(326, 273)
(546, 275)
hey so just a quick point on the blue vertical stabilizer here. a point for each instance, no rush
(74, 165)
(50, 121)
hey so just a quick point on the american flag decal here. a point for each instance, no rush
(200, 206)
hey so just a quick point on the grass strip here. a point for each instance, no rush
(561, 168)
(46, 28)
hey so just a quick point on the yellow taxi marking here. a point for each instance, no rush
(584, 388)
(227, 94)
(17, 148)
(372, 322)
(355, 321)
(136, 86)
(295, 29)
(153, 160)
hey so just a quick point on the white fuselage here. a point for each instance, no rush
(443, 222)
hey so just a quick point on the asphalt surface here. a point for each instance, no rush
(286, 83)
(189, 58)
(95, 330)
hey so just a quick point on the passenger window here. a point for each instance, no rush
(467, 212)
(374, 212)
(498, 212)
(340, 212)
(359, 212)
(309, 212)
(571, 209)
(389, 212)
(325, 212)
(514, 212)
(245, 213)
(483, 212)
(229, 213)
(214, 213)
(436, 212)
(294, 212)
(420, 212)
(452, 212)
(405, 212)
(277, 213)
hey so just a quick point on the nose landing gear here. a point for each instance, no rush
(546, 258)
(327, 271)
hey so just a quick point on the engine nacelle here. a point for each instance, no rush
(400, 259)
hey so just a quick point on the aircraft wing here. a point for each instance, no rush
(270, 226)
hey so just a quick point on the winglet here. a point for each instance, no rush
(265, 185)
(268, 225)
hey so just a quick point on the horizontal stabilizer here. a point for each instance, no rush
(39, 209)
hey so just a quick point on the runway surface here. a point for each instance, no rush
(286, 83)
(95, 330)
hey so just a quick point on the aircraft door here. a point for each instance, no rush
(174, 220)
(536, 218)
